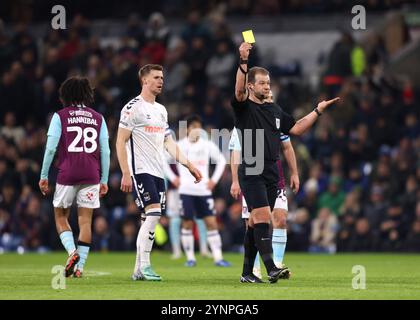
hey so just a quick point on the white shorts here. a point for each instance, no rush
(87, 196)
(281, 203)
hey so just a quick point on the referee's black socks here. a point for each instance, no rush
(264, 244)
(250, 251)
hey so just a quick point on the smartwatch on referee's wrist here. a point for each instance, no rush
(317, 112)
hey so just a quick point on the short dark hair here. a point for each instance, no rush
(254, 71)
(194, 118)
(145, 70)
(76, 90)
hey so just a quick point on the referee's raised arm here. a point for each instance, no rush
(241, 92)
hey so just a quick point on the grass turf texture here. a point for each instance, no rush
(108, 276)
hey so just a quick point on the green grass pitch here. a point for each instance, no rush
(388, 276)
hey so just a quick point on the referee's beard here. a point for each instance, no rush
(261, 96)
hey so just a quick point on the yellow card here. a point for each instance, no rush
(248, 36)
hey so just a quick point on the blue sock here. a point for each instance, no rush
(175, 234)
(202, 231)
(68, 241)
(279, 245)
(83, 249)
(257, 261)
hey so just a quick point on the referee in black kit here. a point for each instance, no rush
(259, 125)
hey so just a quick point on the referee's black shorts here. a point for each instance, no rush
(260, 190)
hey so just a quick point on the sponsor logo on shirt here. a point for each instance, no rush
(82, 113)
(153, 129)
(76, 120)
(199, 162)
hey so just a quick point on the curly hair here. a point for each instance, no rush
(76, 91)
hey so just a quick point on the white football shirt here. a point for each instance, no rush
(148, 123)
(199, 153)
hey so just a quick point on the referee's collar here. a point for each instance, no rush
(254, 101)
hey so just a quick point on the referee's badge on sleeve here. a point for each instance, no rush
(278, 123)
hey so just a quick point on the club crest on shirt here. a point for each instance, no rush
(71, 112)
(146, 196)
(277, 123)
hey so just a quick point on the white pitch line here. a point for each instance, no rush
(92, 273)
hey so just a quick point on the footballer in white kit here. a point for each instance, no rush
(196, 199)
(142, 138)
(145, 149)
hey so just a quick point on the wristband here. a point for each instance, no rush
(242, 70)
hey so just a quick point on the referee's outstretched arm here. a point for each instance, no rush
(241, 92)
(302, 125)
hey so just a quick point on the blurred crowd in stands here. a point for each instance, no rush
(359, 166)
(23, 10)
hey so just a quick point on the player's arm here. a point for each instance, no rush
(54, 133)
(170, 174)
(173, 149)
(105, 158)
(235, 160)
(235, 189)
(219, 159)
(302, 125)
(289, 154)
(241, 91)
(122, 137)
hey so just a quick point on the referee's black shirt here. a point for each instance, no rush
(267, 116)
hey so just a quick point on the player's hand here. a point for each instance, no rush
(196, 173)
(126, 183)
(294, 183)
(211, 185)
(176, 182)
(244, 49)
(43, 186)
(235, 190)
(103, 189)
(325, 104)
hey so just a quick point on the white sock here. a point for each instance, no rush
(138, 242)
(147, 236)
(215, 243)
(176, 250)
(187, 240)
(175, 235)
